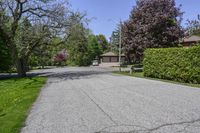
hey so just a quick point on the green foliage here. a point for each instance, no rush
(103, 43)
(178, 64)
(29, 26)
(16, 98)
(94, 47)
(83, 47)
(5, 58)
(43, 55)
(77, 46)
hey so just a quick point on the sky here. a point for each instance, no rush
(106, 14)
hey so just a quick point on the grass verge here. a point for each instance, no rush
(16, 98)
(141, 75)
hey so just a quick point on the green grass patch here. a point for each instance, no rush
(138, 74)
(141, 75)
(16, 98)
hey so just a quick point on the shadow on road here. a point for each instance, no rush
(4, 76)
(71, 75)
(60, 75)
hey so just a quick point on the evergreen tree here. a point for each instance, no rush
(114, 40)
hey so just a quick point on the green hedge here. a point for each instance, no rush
(178, 64)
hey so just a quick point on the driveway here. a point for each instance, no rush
(93, 100)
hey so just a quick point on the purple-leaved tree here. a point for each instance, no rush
(152, 24)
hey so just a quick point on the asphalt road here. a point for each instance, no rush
(92, 100)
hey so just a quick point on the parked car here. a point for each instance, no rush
(95, 63)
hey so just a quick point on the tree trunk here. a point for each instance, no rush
(20, 63)
(21, 67)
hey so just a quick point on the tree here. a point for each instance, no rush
(95, 47)
(77, 45)
(34, 37)
(101, 39)
(61, 57)
(83, 46)
(114, 40)
(45, 17)
(42, 56)
(129, 48)
(193, 27)
(152, 24)
(4, 57)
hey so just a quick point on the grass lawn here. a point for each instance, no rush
(16, 98)
(141, 75)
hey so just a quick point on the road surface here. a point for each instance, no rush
(93, 100)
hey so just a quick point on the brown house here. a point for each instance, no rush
(111, 59)
(190, 41)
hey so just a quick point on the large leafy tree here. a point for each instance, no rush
(44, 19)
(152, 24)
(34, 37)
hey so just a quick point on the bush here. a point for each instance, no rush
(178, 64)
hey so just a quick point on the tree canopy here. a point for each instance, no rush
(26, 25)
(152, 24)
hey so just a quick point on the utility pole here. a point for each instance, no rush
(120, 44)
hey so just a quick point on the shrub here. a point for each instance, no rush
(178, 64)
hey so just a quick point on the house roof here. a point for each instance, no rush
(192, 39)
(111, 54)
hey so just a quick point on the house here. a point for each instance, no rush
(111, 59)
(190, 41)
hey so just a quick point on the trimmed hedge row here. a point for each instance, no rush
(178, 64)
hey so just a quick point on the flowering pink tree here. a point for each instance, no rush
(61, 56)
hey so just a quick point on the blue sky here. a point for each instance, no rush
(107, 13)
